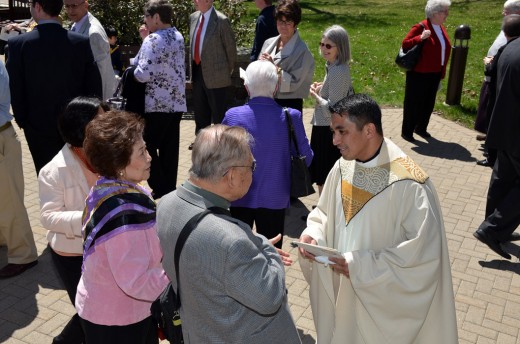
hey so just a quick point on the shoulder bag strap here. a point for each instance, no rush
(183, 236)
(292, 136)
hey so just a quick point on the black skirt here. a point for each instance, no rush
(325, 154)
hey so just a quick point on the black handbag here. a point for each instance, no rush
(130, 93)
(407, 60)
(301, 184)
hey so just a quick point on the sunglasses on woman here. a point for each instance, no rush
(326, 45)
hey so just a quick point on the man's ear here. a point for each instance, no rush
(370, 130)
(230, 177)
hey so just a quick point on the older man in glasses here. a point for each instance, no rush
(86, 24)
(232, 281)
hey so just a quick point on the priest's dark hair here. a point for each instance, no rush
(360, 109)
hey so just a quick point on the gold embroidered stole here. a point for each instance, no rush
(360, 184)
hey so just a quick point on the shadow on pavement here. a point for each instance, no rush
(306, 338)
(295, 219)
(503, 264)
(445, 150)
(18, 306)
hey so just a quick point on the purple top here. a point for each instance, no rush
(265, 120)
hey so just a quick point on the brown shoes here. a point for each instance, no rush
(481, 137)
(11, 270)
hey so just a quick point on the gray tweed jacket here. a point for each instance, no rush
(219, 50)
(232, 281)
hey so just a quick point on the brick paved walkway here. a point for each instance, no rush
(34, 308)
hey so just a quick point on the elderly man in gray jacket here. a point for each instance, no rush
(232, 281)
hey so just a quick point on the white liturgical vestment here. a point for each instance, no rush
(385, 217)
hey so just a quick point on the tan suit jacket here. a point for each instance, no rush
(101, 50)
(219, 51)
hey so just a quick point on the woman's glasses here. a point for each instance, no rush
(326, 45)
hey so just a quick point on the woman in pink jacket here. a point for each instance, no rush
(122, 272)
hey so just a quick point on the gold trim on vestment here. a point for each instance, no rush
(360, 184)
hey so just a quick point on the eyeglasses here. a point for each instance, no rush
(327, 45)
(73, 6)
(284, 22)
(252, 167)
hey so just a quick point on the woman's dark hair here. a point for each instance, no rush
(290, 9)
(109, 141)
(78, 113)
(161, 7)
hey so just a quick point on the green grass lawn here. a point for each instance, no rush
(376, 29)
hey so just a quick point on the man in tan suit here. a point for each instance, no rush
(213, 52)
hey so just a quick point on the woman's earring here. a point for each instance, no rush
(120, 173)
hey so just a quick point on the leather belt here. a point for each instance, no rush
(5, 126)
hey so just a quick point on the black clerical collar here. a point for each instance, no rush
(373, 156)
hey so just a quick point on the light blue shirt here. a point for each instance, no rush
(5, 96)
(79, 24)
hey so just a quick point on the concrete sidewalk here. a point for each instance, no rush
(34, 307)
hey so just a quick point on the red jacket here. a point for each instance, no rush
(430, 61)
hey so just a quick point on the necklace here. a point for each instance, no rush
(81, 156)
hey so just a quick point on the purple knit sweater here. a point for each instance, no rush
(265, 120)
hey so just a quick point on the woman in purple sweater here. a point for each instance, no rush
(268, 197)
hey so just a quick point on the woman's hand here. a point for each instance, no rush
(319, 99)
(316, 87)
(488, 60)
(267, 57)
(425, 34)
(143, 31)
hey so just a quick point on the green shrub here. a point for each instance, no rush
(126, 17)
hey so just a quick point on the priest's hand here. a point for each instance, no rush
(285, 256)
(341, 266)
(308, 240)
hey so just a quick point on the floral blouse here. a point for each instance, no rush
(160, 64)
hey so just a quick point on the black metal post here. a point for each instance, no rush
(459, 54)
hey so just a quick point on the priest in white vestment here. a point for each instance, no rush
(381, 211)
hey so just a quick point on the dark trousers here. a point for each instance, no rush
(293, 103)
(269, 222)
(503, 199)
(69, 271)
(210, 104)
(419, 101)
(482, 119)
(162, 135)
(43, 146)
(143, 332)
